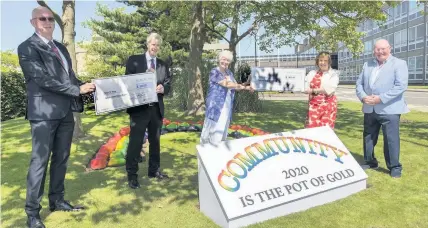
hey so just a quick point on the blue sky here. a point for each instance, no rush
(16, 27)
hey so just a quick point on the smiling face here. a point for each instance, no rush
(323, 63)
(43, 22)
(382, 50)
(153, 47)
(224, 63)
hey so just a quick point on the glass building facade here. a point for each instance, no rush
(405, 29)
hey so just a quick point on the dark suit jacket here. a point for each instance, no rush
(51, 91)
(138, 64)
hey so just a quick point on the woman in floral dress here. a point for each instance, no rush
(321, 86)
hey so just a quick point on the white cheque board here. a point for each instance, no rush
(121, 92)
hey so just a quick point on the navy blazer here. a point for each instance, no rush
(51, 90)
(138, 64)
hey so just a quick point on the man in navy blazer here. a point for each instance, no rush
(148, 116)
(380, 87)
(52, 97)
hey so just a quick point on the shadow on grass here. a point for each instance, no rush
(180, 189)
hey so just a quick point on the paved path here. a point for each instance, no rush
(416, 99)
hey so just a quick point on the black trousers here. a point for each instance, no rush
(48, 136)
(149, 117)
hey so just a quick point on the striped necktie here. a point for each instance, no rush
(152, 64)
(55, 50)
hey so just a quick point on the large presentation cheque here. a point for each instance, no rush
(121, 92)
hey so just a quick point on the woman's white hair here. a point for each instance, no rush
(225, 53)
(154, 36)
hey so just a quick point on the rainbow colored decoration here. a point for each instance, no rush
(113, 152)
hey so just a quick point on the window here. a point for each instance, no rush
(400, 41)
(404, 8)
(404, 40)
(401, 13)
(416, 64)
(416, 37)
(426, 68)
(397, 42)
(415, 9)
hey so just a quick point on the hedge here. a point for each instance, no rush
(13, 95)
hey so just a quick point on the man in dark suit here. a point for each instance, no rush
(149, 115)
(52, 95)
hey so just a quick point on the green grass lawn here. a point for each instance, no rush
(387, 202)
(418, 87)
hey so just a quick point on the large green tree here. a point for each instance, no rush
(325, 23)
(123, 33)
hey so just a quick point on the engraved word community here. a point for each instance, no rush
(242, 163)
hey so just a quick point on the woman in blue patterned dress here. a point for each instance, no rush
(219, 101)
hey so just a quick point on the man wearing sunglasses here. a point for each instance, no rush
(52, 96)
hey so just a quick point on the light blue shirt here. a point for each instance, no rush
(376, 70)
(64, 60)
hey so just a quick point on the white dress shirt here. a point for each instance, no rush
(149, 60)
(64, 60)
(376, 71)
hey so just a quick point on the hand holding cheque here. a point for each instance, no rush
(87, 88)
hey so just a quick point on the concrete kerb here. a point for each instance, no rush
(412, 90)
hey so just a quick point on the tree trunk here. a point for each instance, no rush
(195, 101)
(244, 100)
(68, 22)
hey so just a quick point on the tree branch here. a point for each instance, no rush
(56, 16)
(216, 32)
(224, 24)
(338, 12)
(249, 30)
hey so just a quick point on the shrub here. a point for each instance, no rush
(13, 95)
(246, 101)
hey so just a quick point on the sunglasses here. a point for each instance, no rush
(50, 19)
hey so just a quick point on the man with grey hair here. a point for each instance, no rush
(149, 115)
(380, 87)
(52, 96)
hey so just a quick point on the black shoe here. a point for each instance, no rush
(133, 183)
(142, 159)
(33, 222)
(395, 174)
(159, 175)
(370, 166)
(62, 205)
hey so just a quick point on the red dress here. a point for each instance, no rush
(322, 107)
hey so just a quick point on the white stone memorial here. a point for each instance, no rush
(250, 180)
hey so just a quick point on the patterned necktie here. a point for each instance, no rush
(55, 50)
(152, 64)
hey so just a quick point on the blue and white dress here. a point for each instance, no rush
(219, 105)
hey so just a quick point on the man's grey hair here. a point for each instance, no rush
(154, 36)
(39, 9)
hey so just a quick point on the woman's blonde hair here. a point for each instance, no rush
(225, 53)
(322, 54)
